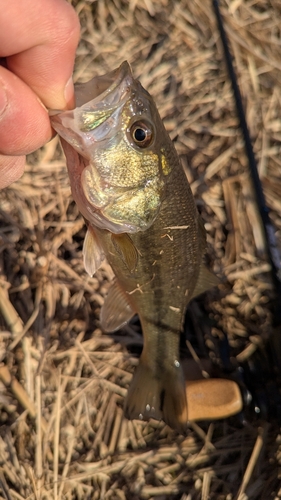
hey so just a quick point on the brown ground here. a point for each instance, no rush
(65, 436)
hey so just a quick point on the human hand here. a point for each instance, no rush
(38, 40)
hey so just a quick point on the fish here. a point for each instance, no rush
(129, 184)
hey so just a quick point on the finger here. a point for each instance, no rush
(24, 122)
(11, 169)
(43, 58)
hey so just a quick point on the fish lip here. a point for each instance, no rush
(99, 88)
(93, 120)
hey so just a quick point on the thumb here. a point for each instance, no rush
(24, 121)
(42, 58)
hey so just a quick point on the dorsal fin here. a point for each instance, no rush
(201, 233)
(116, 310)
(125, 247)
(92, 252)
(206, 280)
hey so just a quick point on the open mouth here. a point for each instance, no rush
(99, 104)
(109, 88)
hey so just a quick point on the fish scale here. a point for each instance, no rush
(168, 265)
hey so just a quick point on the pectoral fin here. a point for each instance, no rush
(126, 249)
(206, 280)
(116, 310)
(92, 252)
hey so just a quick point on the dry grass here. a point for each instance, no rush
(62, 380)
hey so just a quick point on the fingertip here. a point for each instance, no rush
(3, 99)
(24, 121)
(11, 169)
(69, 94)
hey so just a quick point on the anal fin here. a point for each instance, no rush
(206, 280)
(116, 310)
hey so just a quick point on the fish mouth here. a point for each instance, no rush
(99, 103)
(104, 87)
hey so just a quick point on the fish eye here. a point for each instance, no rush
(142, 133)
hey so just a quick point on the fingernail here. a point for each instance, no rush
(3, 99)
(69, 92)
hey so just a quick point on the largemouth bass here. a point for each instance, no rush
(128, 183)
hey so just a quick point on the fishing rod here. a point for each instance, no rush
(270, 239)
(262, 376)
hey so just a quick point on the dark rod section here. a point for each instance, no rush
(271, 245)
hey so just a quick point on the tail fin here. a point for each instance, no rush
(153, 395)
